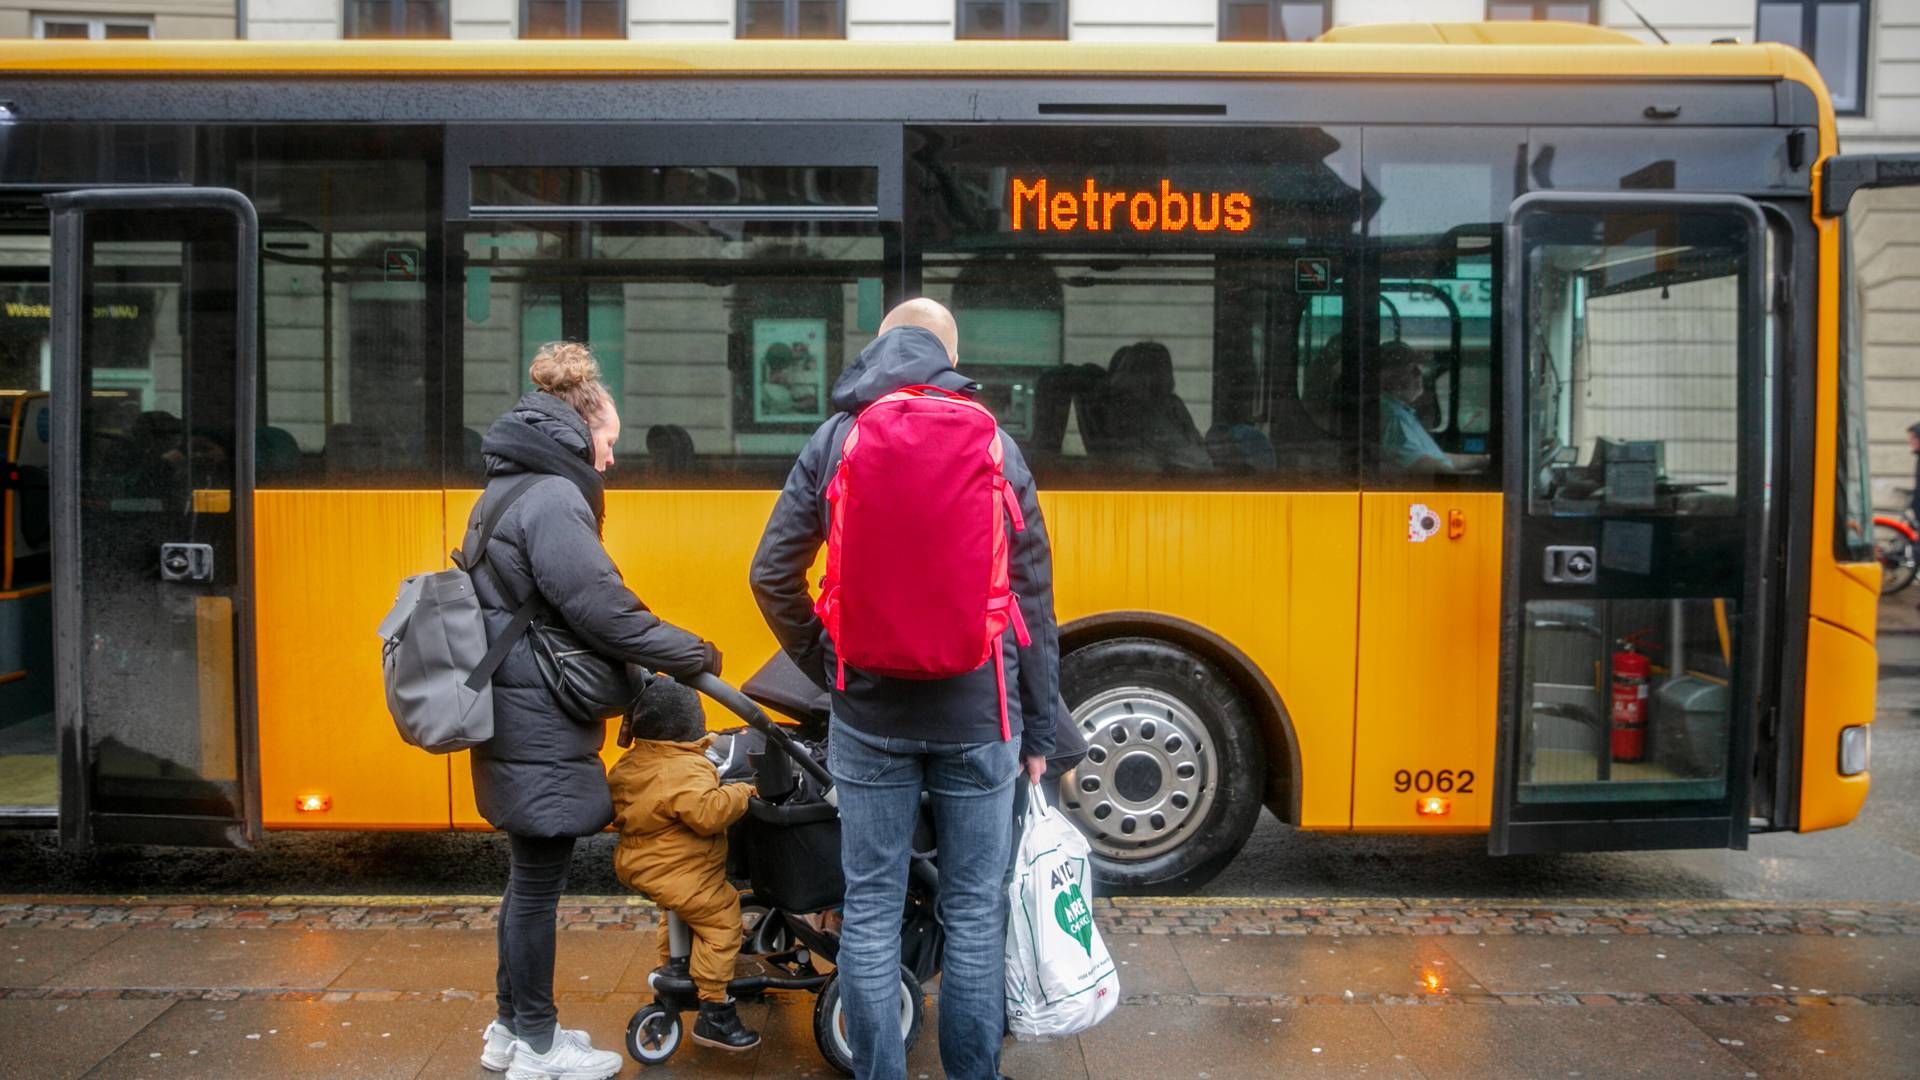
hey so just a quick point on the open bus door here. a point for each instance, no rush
(153, 429)
(1634, 610)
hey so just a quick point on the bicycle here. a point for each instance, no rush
(1896, 544)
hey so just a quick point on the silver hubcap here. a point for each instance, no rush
(840, 1039)
(1148, 779)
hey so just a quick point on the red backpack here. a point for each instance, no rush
(917, 584)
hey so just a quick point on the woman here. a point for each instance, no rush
(540, 779)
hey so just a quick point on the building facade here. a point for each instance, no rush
(1869, 51)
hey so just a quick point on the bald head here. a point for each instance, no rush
(930, 316)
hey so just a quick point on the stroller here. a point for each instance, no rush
(787, 849)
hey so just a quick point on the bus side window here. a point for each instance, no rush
(1430, 360)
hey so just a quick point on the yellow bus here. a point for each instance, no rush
(1443, 428)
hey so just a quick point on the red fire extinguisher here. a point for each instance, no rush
(1631, 672)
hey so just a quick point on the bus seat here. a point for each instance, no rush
(1147, 416)
(276, 453)
(352, 448)
(670, 448)
(1054, 394)
(1240, 448)
(472, 458)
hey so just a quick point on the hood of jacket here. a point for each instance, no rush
(542, 434)
(907, 356)
(666, 748)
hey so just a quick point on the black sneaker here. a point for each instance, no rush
(719, 1026)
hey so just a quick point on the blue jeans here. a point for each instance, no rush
(880, 779)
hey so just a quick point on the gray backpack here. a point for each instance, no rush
(435, 657)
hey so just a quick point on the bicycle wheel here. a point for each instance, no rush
(1897, 556)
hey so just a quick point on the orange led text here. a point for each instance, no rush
(1092, 208)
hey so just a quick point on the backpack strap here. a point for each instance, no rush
(523, 617)
(464, 558)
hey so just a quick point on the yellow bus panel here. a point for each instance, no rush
(1275, 575)
(1841, 673)
(326, 565)
(1429, 662)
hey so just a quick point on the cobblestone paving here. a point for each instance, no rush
(635, 1000)
(1116, 917)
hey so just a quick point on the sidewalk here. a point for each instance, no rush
(397, 987)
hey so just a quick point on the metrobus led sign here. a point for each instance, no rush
(1092, 208)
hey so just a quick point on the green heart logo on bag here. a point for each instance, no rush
(1071, 912)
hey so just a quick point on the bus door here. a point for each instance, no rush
(1636, 524)
(153, 425)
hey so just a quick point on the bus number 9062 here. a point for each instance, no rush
(1424, 781)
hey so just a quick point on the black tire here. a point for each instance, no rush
(654, 1035)
(1897, 557)
(1171, 786)
(829, 1029)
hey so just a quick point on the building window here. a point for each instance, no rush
(1576, 11)
(92, 27)
(1273, 20)
(396, 19)
(791, 19)
(991, 19)
(573, 18)
(1834, 33)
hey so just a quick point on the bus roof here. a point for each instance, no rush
(1538, 50)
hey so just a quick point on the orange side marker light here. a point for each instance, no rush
(313, 804)
(1433, 807)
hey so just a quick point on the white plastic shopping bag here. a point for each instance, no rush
(1060, 978)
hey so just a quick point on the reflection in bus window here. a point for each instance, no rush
(720, 340)
(345, 332)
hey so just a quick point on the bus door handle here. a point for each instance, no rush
(186, 562)
(1567, 564)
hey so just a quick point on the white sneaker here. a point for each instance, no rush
(498, 1053)
(570, 1058)
(499, 1050)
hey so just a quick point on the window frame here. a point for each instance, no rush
(1273, 17)
(396, 28)
(790, 12)
(1540, 10)
(1010, 9)
(1809, 41)
(573, 22)
(96, 24)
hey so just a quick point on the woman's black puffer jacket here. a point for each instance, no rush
(541, 775)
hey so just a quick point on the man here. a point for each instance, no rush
(1913, 444)
(891, 737)
(1405, 443)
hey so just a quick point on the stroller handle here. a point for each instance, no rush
(746, 709)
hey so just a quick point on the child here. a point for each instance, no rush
(673, 813)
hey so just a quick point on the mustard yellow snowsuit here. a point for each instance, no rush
(673, 813)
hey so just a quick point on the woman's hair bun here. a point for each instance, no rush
(561, 367)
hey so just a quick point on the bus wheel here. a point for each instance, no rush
(1171, 785)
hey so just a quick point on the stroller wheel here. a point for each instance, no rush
(653, 1034)
(770, 935)
(830, 1021)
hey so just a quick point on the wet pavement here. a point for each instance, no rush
(291, 988)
